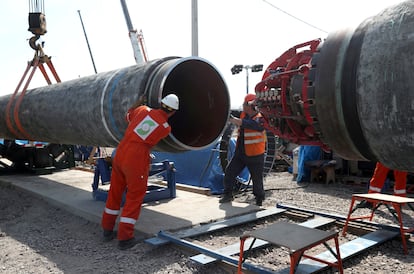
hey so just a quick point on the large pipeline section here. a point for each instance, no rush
(353, 93)
(91, 110)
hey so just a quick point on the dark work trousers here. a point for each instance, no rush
(254, 164)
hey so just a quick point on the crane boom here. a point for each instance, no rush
(142, 44)
(132, 35)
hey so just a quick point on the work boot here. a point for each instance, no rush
(108, 235)
(227, 198)
(259, 201)
(127, 244)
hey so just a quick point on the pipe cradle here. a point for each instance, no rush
(91, 110)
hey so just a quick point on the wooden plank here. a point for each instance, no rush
(82, 168)
(235, 248)
(347, 250)
(184, 187)
(354, 179)
(214, 226)
(385, 198)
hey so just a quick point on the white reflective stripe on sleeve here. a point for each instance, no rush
(254, 141)
(400, 191)
(375, 189)
(111, 211)
(251, 134)
(165, 124)
(127, 220)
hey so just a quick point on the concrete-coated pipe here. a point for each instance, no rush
(364, 89)
(91, 110)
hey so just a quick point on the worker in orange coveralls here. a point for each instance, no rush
(378, 179)
(130, 168)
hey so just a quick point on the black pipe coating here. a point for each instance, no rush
(364, 89)
(91, 110)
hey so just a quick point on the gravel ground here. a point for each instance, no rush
(36, 237)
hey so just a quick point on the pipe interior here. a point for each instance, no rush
(204, 103)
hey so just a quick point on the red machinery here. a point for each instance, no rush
(285, 96)
(353, 93)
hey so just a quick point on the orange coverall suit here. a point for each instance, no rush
(130, 168)
(378, 179)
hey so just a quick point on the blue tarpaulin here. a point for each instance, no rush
(200, 168)
(306, 153)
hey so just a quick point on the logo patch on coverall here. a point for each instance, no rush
(146, 127)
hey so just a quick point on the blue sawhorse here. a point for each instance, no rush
(154, 193)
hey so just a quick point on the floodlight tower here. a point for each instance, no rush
(238, 68)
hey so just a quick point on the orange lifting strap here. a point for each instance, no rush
(39, 59)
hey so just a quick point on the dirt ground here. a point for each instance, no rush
(36, 237)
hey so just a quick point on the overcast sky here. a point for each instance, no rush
(231, 32)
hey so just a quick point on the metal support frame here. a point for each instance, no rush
(340, 218)
(154, 193)
(297, 239)
(212, 253)
(347, 250)
(378, 199)
(218, 225)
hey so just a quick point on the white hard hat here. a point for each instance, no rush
(171, 100)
